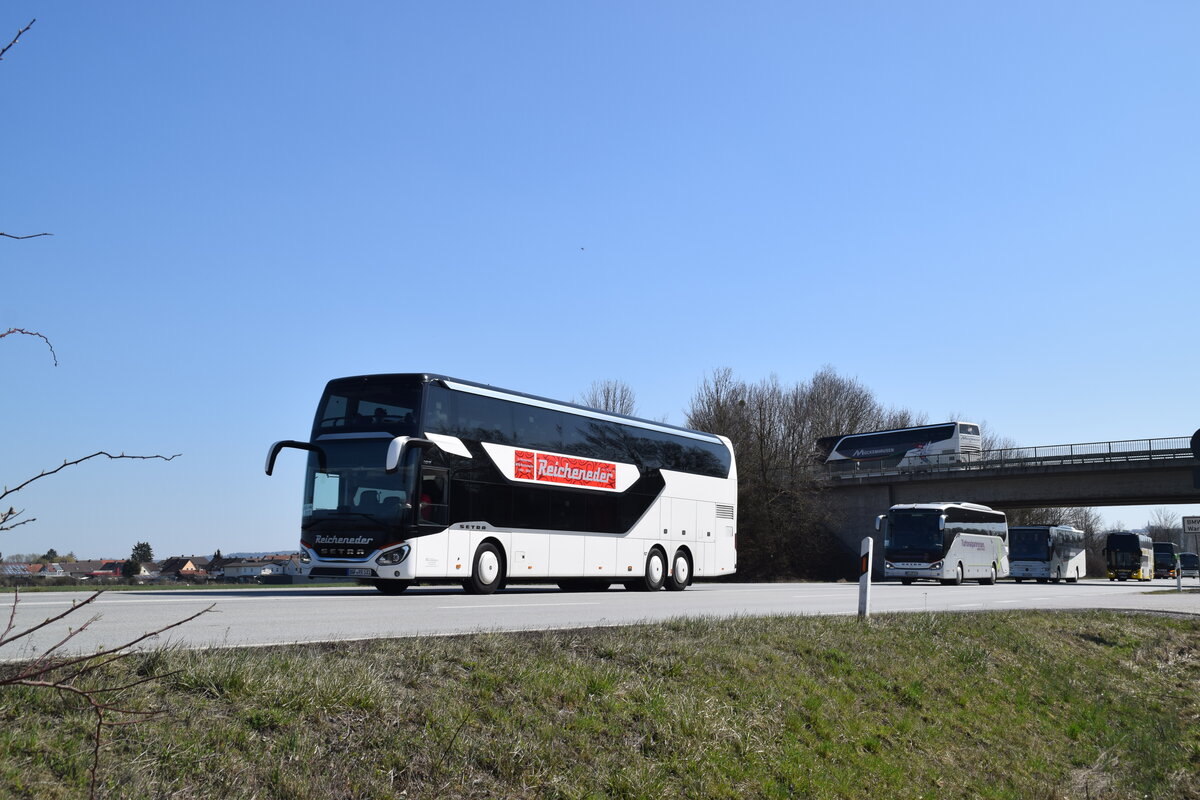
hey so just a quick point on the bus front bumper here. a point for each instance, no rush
(913, 571)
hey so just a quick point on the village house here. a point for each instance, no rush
(273, 567)
(184, 568)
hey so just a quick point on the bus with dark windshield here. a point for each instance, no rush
(946, 445)
(1046, 553)
(1166, 559)
(948, 542)
(1129, 556)
(421, 477)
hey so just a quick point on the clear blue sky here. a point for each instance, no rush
(974, 209)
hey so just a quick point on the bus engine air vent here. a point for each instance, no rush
(724, 511)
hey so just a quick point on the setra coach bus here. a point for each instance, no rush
(949, 542)
(1046, 553)
(948, 444)
(421, 477)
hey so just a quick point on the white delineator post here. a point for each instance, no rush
(864, 580)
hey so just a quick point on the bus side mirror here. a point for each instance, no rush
(879, 522)
(942, 522)
(396, 448)
(273, 453)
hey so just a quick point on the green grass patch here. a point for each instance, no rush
(1093, 705)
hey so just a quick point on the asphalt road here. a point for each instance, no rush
(266, 616)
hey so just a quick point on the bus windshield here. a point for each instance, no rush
(914, 534)
(370, 403)
(1028, 545)
(354, 486)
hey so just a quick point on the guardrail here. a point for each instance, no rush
(1014, 457)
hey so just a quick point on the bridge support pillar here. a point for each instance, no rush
(853, 517)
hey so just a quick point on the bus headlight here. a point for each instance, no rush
(392, 557)
(305, 556)
(938, 565)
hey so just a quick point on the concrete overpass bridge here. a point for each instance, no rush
(1132, 472)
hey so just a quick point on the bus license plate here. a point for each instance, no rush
(910, 572)
(356, 572)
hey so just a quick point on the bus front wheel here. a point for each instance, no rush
(487, 570)
(656, 572)
(957, 579)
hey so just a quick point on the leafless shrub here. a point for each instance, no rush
(52, 669)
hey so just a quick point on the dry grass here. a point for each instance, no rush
(1018, 705)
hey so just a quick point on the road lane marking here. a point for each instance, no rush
(514, 605)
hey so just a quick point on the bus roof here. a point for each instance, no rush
(1043, 527)
(944, 504)
(533, 399)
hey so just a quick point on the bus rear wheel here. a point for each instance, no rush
(990, 580)
(681, 572)
(487, 570)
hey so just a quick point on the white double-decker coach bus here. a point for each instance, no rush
(1046, 553)
(419, 477)
(949, 542)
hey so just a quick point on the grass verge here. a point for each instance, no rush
(989, 705)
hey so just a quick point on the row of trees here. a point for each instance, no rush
(784, 525)
(785, 528)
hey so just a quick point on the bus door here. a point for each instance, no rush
(433, 497)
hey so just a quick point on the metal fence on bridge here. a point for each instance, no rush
(1015, 457)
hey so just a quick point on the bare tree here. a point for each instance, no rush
(1164, 525)
(611, 395)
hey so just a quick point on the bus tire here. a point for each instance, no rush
(681, 572)
(487, 570)
(1057, 575)
(656, 572)
(392, 587)
(990, 580)
(957, 579)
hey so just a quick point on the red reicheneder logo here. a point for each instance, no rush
(533, 466)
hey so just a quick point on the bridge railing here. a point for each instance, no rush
(1014, 457)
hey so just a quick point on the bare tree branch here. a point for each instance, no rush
(33, 333)
(29, 236)
(4, 639)
(15, 38)
(12, 513)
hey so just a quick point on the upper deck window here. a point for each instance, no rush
(369, 403)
